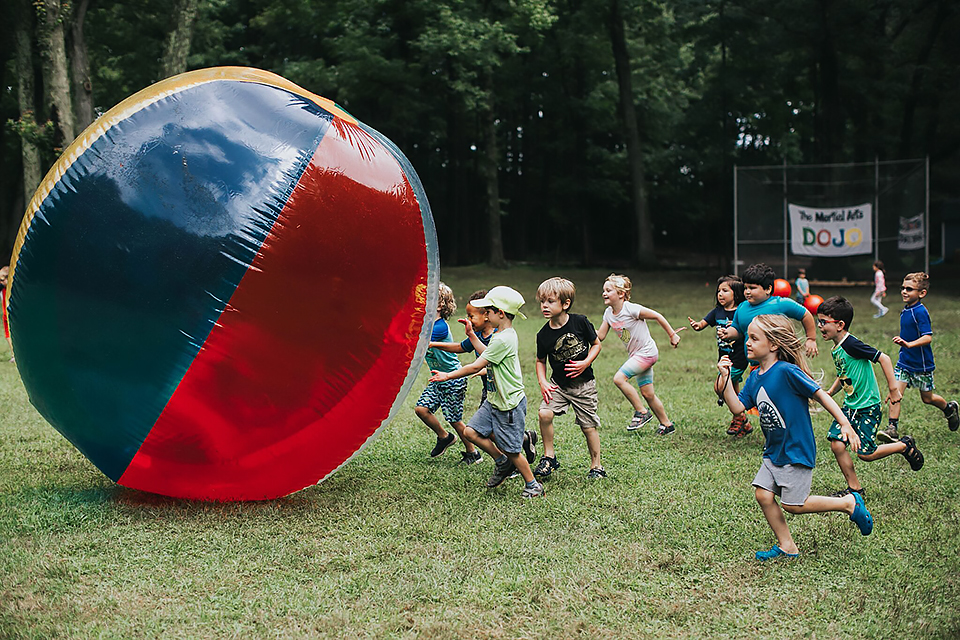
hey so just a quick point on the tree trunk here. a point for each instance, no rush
(55, 76)
(833, 116)
(643, 246)
(491, 177)
(178, 41)
(25, 97)
(80, 69)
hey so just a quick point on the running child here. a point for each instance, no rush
(802, 285)
(477, 330)
(447, 396)
(498, 426)
(570, 343)
(861, 404)
(729, 296)
(629, 322)
(915, 365)
(781, 388)
(879, 289)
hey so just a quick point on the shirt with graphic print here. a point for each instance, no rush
(570, 342)
(632, 330)
(720, 317)
(503, 368)
(854, 362)
(915, 322)
(467, 347)
(437, 359)
(780, 395)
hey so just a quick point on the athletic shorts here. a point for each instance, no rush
(582, 397)
(506, 427)
(448, 396)
(639, 367)
(791, 481)
(921, 381)
(865, 422)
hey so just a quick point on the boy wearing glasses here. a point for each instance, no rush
(915, 365)
(854, 361)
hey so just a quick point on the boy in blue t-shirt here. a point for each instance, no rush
(447, 395)
(915, 365)
(861, 404)
(802, 285)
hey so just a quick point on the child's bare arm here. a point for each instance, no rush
(847, 434)
(602, 331)
(810, 328)
(895, 394)
(575, 367)
(546, 387)
(650, 314)
(697, 325)
(452, 347)
(464, 371)
(728, 332)
(919, 342)
(834, 387)
(730, 397)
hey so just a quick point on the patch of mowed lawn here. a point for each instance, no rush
(398, 545)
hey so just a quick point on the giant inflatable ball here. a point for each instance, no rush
(221, 290)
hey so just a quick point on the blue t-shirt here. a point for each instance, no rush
(439, 360)
(774, 305)
(915, 322)
(803, 289)
(780, 395)
(467, 346)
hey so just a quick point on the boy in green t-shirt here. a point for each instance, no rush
(498, 426)
(854, 362)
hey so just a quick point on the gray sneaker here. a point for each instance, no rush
(536, 491)
(639, 419)
(501, 473)
(888, 435)
(468, 458)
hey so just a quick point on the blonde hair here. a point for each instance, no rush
(779, 331)
(560, 287)
(621, 284)
(919, 278)
(447, 304)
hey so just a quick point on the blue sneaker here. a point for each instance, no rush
(860, 516)
(773, 553)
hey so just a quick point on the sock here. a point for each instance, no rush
(531, 484)
(894, 422)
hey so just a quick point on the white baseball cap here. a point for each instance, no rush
(504, 298)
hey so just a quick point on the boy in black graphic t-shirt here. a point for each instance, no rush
(570, 343)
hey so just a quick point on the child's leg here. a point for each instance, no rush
(883, 451)
(460, 429)
(628, 390)
(895, 407)
(593, 446)
(929, 397)
(426, 415)
(546, 432)
(655, 405)
(823, 504)
(520, 462)
(845, 462)
(487, 444)
(774, 515)
(451, 396)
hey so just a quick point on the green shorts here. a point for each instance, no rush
(921, 381)
(865, 422)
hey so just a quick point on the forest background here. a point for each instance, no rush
(569, 131)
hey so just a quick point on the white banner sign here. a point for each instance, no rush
(911, 233)
(845, 231)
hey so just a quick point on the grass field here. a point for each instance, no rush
(398, 545)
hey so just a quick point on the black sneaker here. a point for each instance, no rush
(546, 467)
(848, 491)
(468, 458)
(952, 413)
(596, 473)
(666, 429)
(888, 435)
(443, 444)
(529, 446)
(501, 473)
(912, 454)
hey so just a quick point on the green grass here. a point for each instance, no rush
(398, 545)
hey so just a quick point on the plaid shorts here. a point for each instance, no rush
(448, 396)
(865, 422)
(921, 381)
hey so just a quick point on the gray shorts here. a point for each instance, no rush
(507, 427)
(582, 397)
(791, 481)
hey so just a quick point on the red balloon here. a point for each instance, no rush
(812, 302)
(781, 288)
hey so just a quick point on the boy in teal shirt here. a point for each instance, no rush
(498, 426)
(854, 363)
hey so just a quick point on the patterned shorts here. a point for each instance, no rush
(921, 381)
(448, 396)
(865, 422)
(639, 367)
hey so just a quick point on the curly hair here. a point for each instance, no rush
(447, 304)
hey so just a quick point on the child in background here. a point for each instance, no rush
(498, 426)
(879, 289)
(477, 330)
(802, 286)
(629, 322)
(915, 365)
(861, 404)
(4, 274)
(729, 296)
(446, 395)
(780, 389)
(570, 343)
